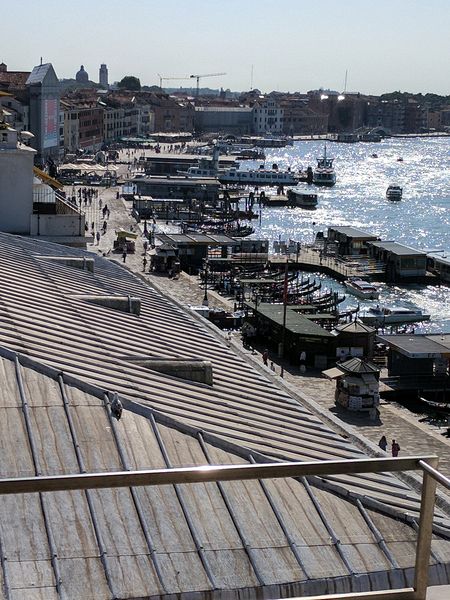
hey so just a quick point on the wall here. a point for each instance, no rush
(57, 225)
(16, 189)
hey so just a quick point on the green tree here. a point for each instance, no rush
(129, 82)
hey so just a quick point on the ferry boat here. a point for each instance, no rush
(209, 167)
(394, 193)
(324, 173)
(258, 177)
(362, 288)
(381, 315)
(302, 199)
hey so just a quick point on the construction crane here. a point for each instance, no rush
(162, 78)
(198, 77)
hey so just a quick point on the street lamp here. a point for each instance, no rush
(205, 297)
(283, 331)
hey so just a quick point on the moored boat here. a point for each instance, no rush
(362, 288)
(382, 315)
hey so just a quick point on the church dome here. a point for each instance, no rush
(82, 76)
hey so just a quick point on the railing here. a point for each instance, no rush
(426, 464)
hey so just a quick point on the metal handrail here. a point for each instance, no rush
(437, 475)
(187, 475)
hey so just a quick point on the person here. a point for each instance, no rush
(272, 366)
(383, 443)
(97, 236)
(265, 356)
(124, 255)
(395, 448)
(144, 263)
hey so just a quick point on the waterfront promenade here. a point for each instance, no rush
(395, 421)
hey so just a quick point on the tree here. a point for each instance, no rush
(129, 82)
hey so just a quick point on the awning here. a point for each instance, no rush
(333, 373)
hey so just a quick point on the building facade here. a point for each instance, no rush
(267, 116)
(44, 107)
(103, 76)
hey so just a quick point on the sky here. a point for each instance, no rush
(293, 45)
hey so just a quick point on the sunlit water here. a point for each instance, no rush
(420, 220)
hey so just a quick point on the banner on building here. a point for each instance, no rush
(51, 123)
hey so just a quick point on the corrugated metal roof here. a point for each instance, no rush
(42, 315)
(398, 249)
(152, 541)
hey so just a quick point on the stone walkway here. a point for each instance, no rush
(415, 438)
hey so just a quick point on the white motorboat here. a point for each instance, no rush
(299, 198)
(394, 193)
(324, 173)
(381, 315)
(362, 288)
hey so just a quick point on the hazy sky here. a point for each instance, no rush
(294, 45)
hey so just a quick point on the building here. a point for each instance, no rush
(418, 355)
(95, 334)
(401, 262)
(236, 120)
(355, 339)
(202, 189)
(32, 202)
(357, 386)
(82, 76)
(43, 90)
(301, 334)
(16, 181)
(36, 107)
(267, 116)
(349, 240)
(300, 119)
(170, 114)
(103, 76)
(83, 124)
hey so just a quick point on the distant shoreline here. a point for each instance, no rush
(324, 137)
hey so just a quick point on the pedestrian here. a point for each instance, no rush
(265, 356)
(383, 443)
(97, 236)
(272, 366)
(395, 448)
(144, 263)
(105, 226)
(124, 255)
(100, 202)
(92, 226)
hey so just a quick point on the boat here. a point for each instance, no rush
(209, 167)
(324, 173)
(394, 193)
(400, 159)
(381, 315)
(298, 197)
(272, 177)
(374, 155)
(362, 288)
(441, 408)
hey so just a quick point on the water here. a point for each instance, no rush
(420, 220)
